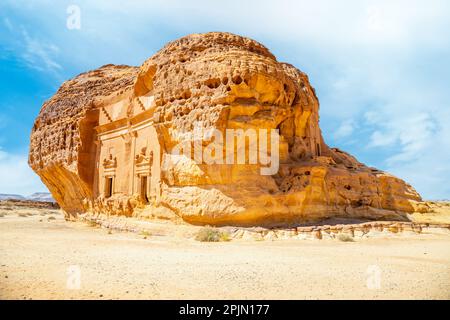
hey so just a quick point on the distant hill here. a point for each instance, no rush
(5, 196)
(38, 197)
(41, 196)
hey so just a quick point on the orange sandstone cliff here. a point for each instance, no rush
(103, 144)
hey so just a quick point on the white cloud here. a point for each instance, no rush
(416, 134)
(8, 24)
(382, 139)
(35, 52)
(39, 54)
(346, 129)
(16, 176)
(412, 134)
(421, 147)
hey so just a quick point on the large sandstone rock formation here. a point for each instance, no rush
(99, 143)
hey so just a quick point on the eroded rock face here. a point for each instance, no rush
(104, 143)
(62, 147)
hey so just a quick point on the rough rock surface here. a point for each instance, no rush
(222, 81)
(62, 148)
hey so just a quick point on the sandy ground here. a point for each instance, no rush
(44, 257)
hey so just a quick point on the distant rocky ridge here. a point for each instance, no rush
(7, 196)
(37, 197)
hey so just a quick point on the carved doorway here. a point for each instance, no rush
(144, 188)
(108, 187)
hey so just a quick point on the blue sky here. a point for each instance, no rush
(381, 69)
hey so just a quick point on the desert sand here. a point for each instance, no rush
(39, 251)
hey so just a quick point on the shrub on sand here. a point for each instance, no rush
(92, 223)
(145, 234)
(208, 234)
(345, 238)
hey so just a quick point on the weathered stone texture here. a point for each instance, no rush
(123, 122)
(62, 148)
